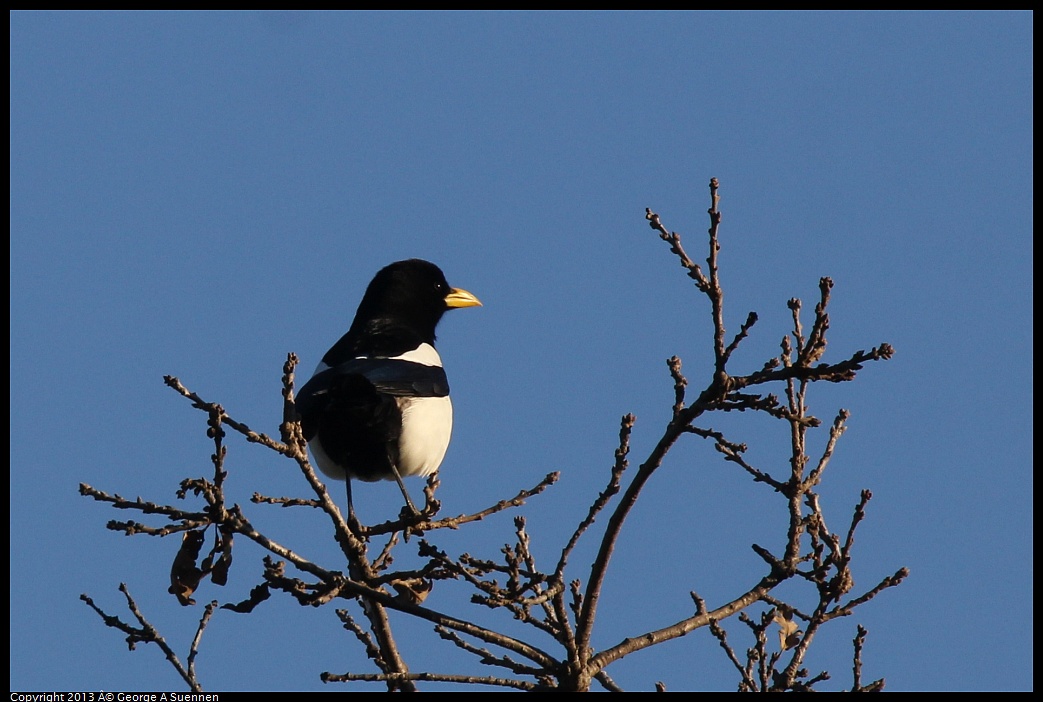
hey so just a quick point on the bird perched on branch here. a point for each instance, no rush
(377, 407)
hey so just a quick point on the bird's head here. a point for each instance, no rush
(412, 293)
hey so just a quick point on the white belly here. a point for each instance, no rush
(427, 424)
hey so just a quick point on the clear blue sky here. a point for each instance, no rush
(199, 193)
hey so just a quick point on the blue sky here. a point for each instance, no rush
(198, 194)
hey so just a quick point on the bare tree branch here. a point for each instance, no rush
(558, 611)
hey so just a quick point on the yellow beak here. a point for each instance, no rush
(459, 297)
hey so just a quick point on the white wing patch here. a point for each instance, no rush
(425, 355)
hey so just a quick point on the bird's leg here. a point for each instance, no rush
(353, 522)
(405, 494)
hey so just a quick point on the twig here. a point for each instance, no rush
(147, 633)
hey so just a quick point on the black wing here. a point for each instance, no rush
(353, 408)
(387, 375)
(363, 379)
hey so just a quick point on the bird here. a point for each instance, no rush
(377, 406)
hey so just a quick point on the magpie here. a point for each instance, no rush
(377, 407)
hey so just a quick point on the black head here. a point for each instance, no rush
(406, 298)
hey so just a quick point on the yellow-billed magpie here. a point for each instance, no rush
(377, 407)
